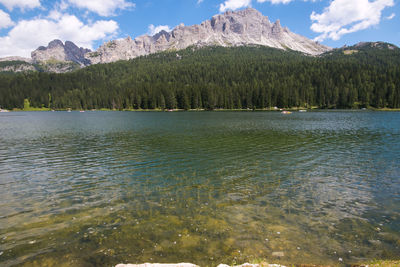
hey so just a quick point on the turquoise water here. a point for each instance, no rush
(101, 188)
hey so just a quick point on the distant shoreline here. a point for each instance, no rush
(206, 110)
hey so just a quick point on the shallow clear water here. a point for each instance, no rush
(101, 188)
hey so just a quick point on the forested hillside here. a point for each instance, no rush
(215, 77)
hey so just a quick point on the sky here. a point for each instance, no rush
(27, 24)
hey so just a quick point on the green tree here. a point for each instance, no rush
(27, 104)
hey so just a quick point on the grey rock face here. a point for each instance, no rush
(158, 265)
(58, 66)
(193, 265)
(57, 51)
(264, 264)
(379, 45)
(245, 27)
(18, 68)
(24, 59)
(76, 54)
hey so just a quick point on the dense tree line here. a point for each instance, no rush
(216, 77)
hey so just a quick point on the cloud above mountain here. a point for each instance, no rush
(339, 18)
(29, 34)
(5, 20)
(94, 21)
(156, 29)
(276, 1)
(234, 4)
(343, 17)
(101, 7)
(22, 4)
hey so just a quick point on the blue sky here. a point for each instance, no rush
(27, 24)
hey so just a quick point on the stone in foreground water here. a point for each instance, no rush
(158, 265)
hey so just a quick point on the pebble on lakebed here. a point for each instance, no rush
(158, 265)
(278, 254)
(193, 265)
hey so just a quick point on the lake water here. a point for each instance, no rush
(101, 188)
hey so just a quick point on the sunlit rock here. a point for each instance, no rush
(158, 265)
(240, 28)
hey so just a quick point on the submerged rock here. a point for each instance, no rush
(278, 254)
(193, 265)
(158, 265)
(263, 264)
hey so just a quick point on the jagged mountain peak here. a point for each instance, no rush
(162, 34)
(58, 51)
(55, 43)
(232, 28)
(245, 12)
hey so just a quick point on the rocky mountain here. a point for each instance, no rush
(245, 27)
(57, 51)
(21, 59)
(56, 57)
(15, 65)
(372, 48)
(239, 28)
(377, 45)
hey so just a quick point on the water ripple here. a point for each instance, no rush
(102, 188)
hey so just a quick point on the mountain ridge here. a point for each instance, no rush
(232, 28)
(58, 51)
(247, 27)
(19, 64)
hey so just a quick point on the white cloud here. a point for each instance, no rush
(23, 4)
(55, 15)
(391, 16)
(156, 29)
(234, 4)
(199, 2)
(275, 1)
(27, 35)
(343, 16)
(104, 8)
(63, 5)
(5, 20)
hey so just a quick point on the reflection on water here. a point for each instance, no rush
(100, 188)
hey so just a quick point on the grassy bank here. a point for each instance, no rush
(31, 109)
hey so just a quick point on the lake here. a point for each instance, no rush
(101, 188)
